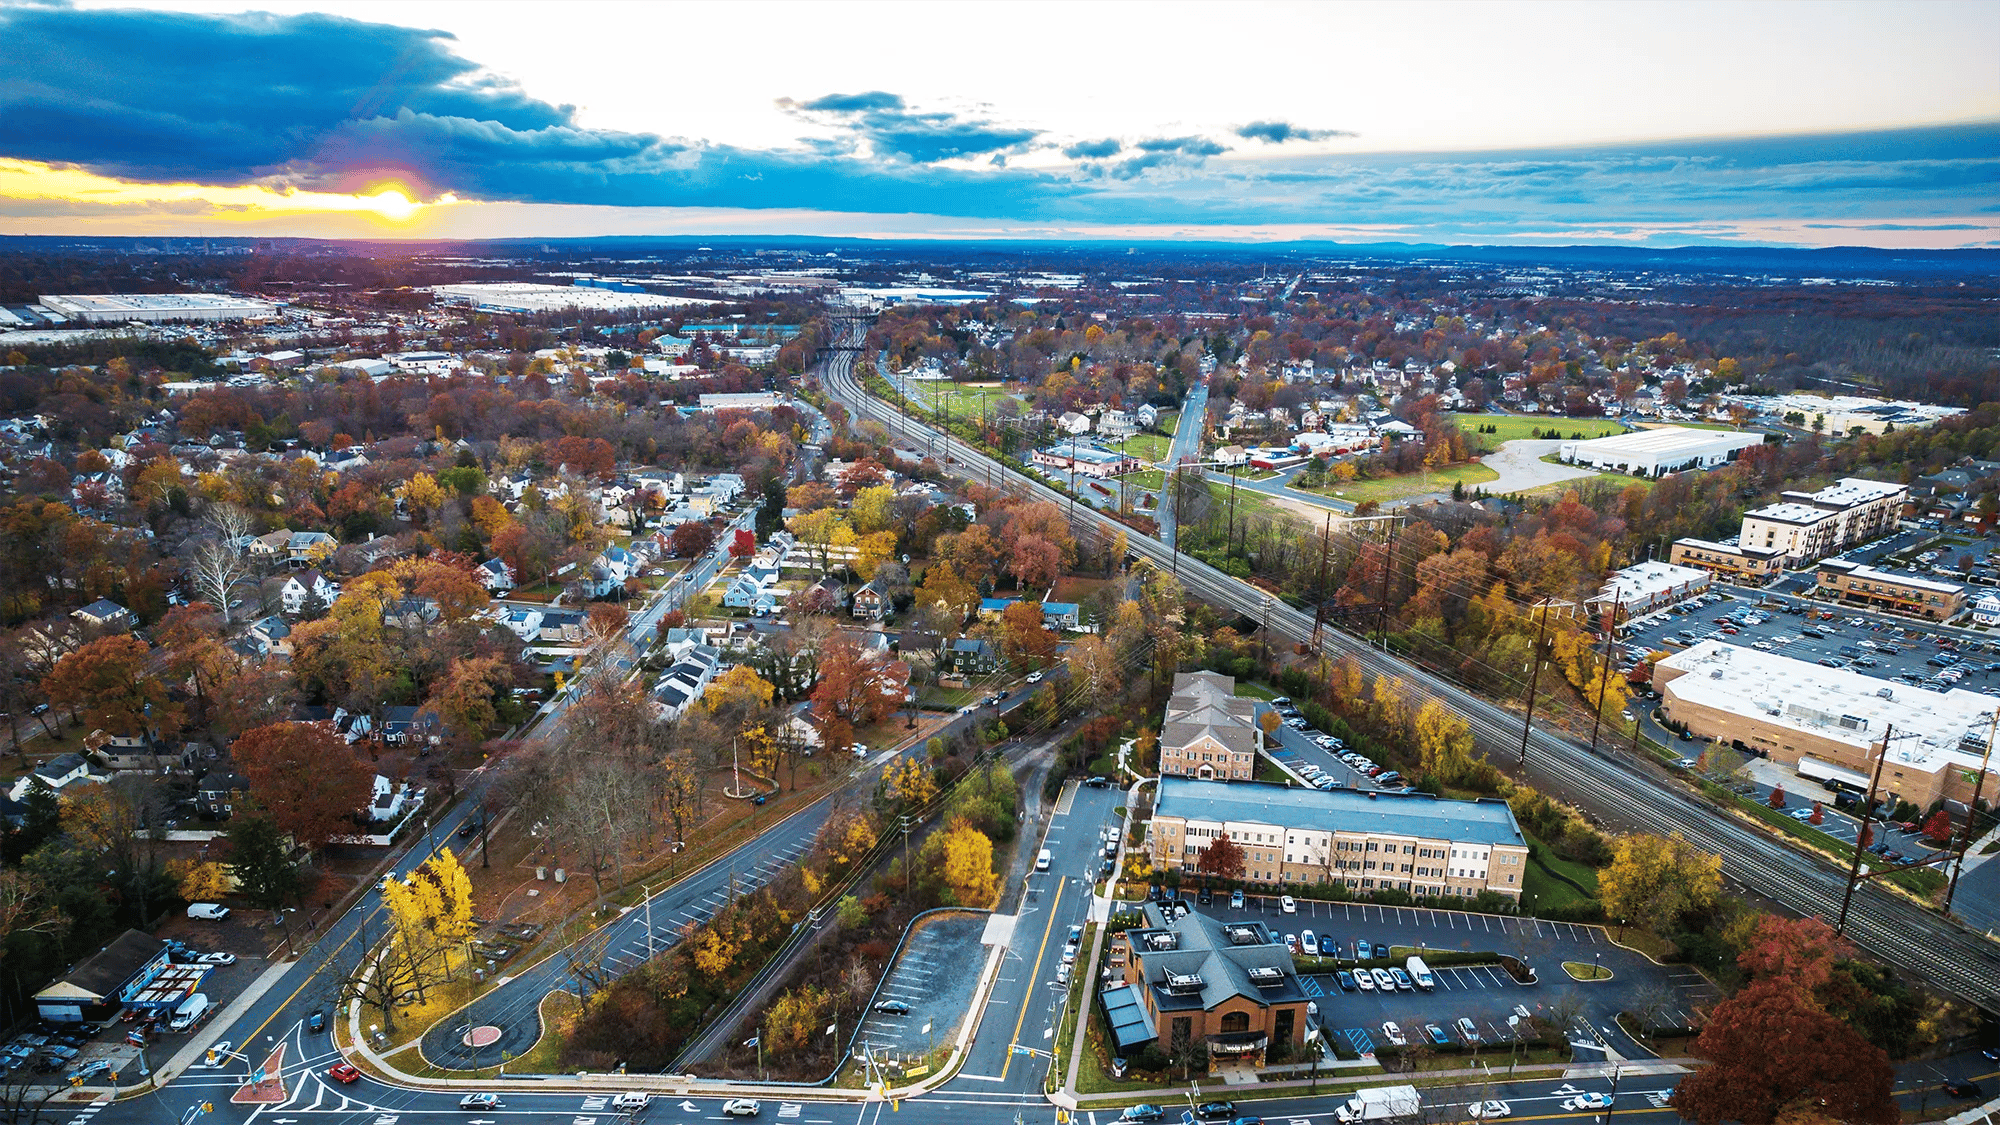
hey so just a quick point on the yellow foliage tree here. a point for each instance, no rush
(199, 881)
(741, 686)
(967, 864)
(1444, 742)
(1653, 880)
(913, 781)
(714, 953)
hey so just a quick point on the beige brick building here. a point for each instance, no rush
(1804, 526)
(1731, 560)
(1209, 732)
(1362, 841)
(1829, 722)
(1852, 583)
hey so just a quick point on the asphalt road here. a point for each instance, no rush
(1625, 792)
(1185, 446)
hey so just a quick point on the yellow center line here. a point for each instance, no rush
(1034, 978)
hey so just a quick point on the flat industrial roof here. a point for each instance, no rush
(1647, 579)
(1667, 439)
(1871, 574)
(1345, 810)
(1931, 727)
(1791, 513)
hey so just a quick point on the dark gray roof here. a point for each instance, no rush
(106, 971)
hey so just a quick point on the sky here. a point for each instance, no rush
(1502, 122)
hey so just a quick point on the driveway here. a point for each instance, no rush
(1520, 465)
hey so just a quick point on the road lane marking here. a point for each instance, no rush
(1048, 928)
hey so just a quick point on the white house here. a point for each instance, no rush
(58, 773)
(496, 575)
(304, 586)
(1073, 423)
(1986, 611)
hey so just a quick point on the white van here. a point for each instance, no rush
(189, 1013)
(1042, 860)
(208, 911)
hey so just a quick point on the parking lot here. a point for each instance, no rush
(1893, 651)
(1295, 749)
(1484, 994)
(930, 983)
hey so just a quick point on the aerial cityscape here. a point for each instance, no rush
(1040, 582)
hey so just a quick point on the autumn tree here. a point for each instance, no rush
(691, 539)
(964, 862)
(1938, 828)
(952, 596)
(1654, 880)
(215, 571)
(108, 683)
(199, 880)
(1022, 635)
(853, 687)
(1777, 799)
(306, 778)
(260, 854)
(1094, 671)
(1444, 743)
(739, 690)
(912, 781)
(1222, 858)
(1771, 1052)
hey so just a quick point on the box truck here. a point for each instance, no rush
(1380, 1103)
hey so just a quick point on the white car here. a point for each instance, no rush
(218, 958)
(1395, 1034)
(1310, 942)
(480, 1101)
(1288, 904)
(740, 1107)
(1034, 677)
(1364, 980)
(631, 1102)
(1487, 1111)
(1588, 1101)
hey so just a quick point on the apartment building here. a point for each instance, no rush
(1363, 841)
(1804, 526)
(1208, 732)
(1855, 584)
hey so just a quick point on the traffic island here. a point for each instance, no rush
(1586, 971)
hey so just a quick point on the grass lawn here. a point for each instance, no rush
(1586, 970)
(1151, 447)
(1254, 691)
(967, 400)
(1170, 421)
(1412, 484)
(946, 699)
(1559, 487)
(1511, 426)
(1151, 480)
(1267, 770)
(1688, 425)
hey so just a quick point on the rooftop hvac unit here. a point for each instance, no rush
(1245, 935)
(1160, 939)
(1181, 984)
(1263, 976)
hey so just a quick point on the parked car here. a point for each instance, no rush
(1395, 1034)
(1288, 904)
(1347, 981)
(898, 1008)
(218, 958)
(1383, 980)
(1236, 899)
(1468, 1030)
(1438, 1037)
(1365, 980)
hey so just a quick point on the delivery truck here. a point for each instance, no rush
(1380, 1103)
(1421, 973)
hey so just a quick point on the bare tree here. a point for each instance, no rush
(215, 571)
(583, 952)
(231, 522)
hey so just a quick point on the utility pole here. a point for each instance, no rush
(1534, 676)
(906, 856)
(1604, 676)
(1319, 587)
(1861, 837)
(1971, 811)
(1382, 608)
(1612, 1106)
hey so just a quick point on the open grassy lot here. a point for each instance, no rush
(1412, 484)
(968, 400)
(1511, 426)
(1151, 447)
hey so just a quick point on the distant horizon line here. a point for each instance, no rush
(738, 239)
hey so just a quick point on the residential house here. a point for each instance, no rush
(1147, 415)
(990, 609)
(871, 601)
(58, 773)
(407, 725)
(296, 549)
(1073, 423)
(524, 622)
(1986, 610)
(1062, 616)
(496, 576)
(135, 752)
(683, 683)
(973, 656)
(218, 792)
(307, 588)
(105, 614)
(272, 635)
(388, 800)
(1117, 425)
(410, 614)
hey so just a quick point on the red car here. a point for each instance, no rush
(343, 1074)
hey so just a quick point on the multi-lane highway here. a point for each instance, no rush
(1629, 793)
